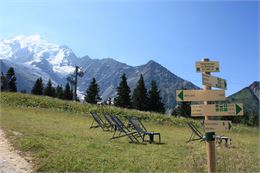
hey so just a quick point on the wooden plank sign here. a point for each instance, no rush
(212, 81)
(197, 110)
(207, 66)
(216, 125)
(218, 110)
(199, 95)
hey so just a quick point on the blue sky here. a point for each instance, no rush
(173, 33)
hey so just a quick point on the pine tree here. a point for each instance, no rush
(3, 82)
(38, 87)
(123, 98)
(11, 80)
(49, 90)
(139, 96)
(182, 109)
(59, 92)
(53, 90)
(67, 94)
(92, 92)
(154, 100)
(71, 94)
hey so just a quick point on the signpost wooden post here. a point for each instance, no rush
(210, 110)
(206, 68)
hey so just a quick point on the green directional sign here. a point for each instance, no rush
(199, 95)
(217, 110)
(238, 108)
(180, 95)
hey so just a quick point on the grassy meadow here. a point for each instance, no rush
(57, 136)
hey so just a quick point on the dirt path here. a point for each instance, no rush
(10, 160)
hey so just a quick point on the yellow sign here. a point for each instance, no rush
(216, 125)
(199, 95)
(207, 66)
(213, 81)
(218, 110)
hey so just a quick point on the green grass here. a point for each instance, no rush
(60, 140)
(27, 100)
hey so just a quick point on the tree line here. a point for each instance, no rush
(49, 90)
(140, 99)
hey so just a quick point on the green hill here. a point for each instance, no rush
(249, 98)
(57, 136)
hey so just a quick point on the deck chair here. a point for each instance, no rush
(141, 130)
(99, 121)
(110, 121)
(199, 136)
(196, 134)
(121, 130)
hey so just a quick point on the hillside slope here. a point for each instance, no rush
(33, 101)
(249, 96)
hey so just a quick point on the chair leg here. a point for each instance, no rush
(92, 125)
(191, 136)
(113, 134)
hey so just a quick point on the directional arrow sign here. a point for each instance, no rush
(216, 125)
(217, 110)
(212, 81)
(207, 66)
(199, 95)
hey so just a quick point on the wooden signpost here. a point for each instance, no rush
(216, 125)
(200, 95)
(207, 66)
(213, 81)
(209, 110)
(217, 110)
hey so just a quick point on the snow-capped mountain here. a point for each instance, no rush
(33, 57)
(36, 52)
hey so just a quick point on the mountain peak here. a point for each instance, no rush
(32, 49)
(255, 84)
(31, 38)
(151, 62)
(255, 87)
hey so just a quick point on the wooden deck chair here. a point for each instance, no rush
(99, 121)
(141, 130)
(121, 130)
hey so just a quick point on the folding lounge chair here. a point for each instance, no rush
(201, 137)
(121, 130)
(99, 121)
(195, 133)
(141, 130)
(110, 122)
